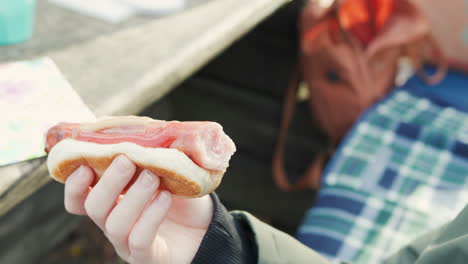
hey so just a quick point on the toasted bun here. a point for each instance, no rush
(179, 174)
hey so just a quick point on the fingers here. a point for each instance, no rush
(199, 211)
(131, 224)
(123, 217)
(76, 190)
(141, 238)
(104, 195)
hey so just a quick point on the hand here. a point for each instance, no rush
(142, 227)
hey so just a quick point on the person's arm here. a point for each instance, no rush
(447, 244)
(239, 237)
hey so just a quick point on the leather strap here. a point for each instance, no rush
(441, 64)
(312, 176)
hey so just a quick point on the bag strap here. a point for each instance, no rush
(312, 176)
(440, 61)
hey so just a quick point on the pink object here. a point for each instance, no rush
(204, 142)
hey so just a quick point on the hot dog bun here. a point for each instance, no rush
(179, 174)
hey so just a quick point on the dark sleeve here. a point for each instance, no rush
(229, 239)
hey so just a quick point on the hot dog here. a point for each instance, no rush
(190, 157)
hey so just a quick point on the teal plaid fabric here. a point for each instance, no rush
(357, 226)
(402, 171)
(424, 152)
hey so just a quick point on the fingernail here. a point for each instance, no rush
(80, 170)
(164, 197)
(122, 159)
(124, 162)
(80, 175)
(146, 178)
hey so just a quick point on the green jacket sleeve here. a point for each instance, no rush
(447, 244)
(275, 246)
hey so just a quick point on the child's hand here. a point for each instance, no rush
(142, 227)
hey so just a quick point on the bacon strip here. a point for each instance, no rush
(204, 142)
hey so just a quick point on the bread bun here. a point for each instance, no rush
(179, 174)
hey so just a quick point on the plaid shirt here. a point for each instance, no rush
(401, 171)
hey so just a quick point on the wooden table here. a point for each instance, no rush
(121, 69)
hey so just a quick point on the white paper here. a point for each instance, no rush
(33, 97)
(156, 6)
(112, 11)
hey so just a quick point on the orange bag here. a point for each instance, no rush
(349, 55)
